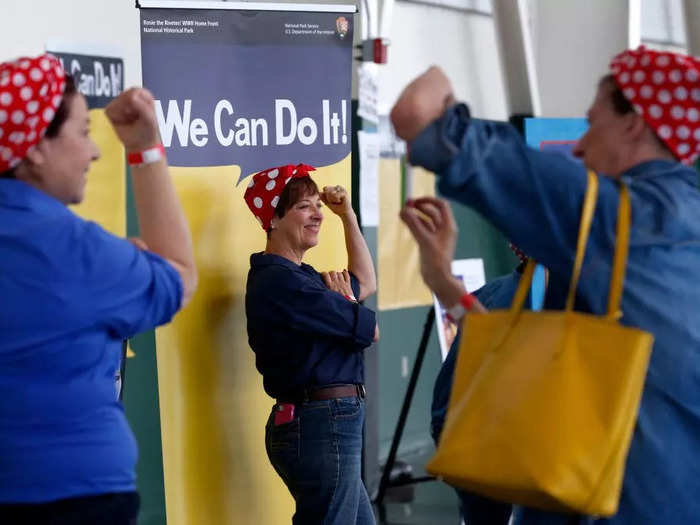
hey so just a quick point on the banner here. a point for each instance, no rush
(237, 91)
(246, 88)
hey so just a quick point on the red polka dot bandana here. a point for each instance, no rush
(265, 188)
(31, 89)
(518, 252)
(664, 88)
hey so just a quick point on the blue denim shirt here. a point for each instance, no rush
(70, 292)
(303, 334)
(535, 198)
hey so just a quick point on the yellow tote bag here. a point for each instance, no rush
(544, 404)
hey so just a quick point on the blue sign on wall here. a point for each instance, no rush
(558, 135)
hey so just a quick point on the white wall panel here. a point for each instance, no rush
(463, 44)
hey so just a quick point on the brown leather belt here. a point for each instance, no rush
(326, 392)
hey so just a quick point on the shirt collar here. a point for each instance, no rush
(18, 194)
(654, 168)
(261, 259)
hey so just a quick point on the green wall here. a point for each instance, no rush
(401, 333)
(143, 409)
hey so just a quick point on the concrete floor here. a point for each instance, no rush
(433, 502)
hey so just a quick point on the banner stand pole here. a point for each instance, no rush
(122, 370)
(386, 481)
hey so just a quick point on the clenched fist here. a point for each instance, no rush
(337, 200)
(421, 102)
(133, 117)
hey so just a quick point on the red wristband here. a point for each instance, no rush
(456, 312)
(147, 156)
(467, 301)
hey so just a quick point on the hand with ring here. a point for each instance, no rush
(337, 200)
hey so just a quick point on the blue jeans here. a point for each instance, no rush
(318, 455)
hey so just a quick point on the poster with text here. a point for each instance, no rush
(472, 276)
(237, 92)
(252, 89)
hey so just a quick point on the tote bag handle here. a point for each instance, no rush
(617, 277)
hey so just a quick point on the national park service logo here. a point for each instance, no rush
(341, 26)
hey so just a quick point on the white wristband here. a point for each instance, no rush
(147, 156)
(456, 312)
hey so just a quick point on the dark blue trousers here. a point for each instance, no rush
(318, 455)
(119, 508)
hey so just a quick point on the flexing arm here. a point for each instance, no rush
(359, 259)
(306, 305)
(162, 222)
(533, 197)
(341, 282)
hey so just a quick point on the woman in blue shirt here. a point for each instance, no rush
(308, 332)
(643, 121)
(70, 293)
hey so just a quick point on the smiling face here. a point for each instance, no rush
(301, 223)
(61, 162)
(298, 217)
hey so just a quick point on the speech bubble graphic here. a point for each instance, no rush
(249, 89)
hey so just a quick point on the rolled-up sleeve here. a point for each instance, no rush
(533, 197)
(298, 301)
(366, 318)
(365, 326)
(128, 290)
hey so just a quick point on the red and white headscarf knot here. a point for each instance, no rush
(31, 90)
(664, 88)
(518, 252)
(265, 188)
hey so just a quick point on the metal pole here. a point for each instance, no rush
(401, 423)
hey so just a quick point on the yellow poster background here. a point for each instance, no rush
(213, 407)
(397, 249)
(105, 193)
(212, 404)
